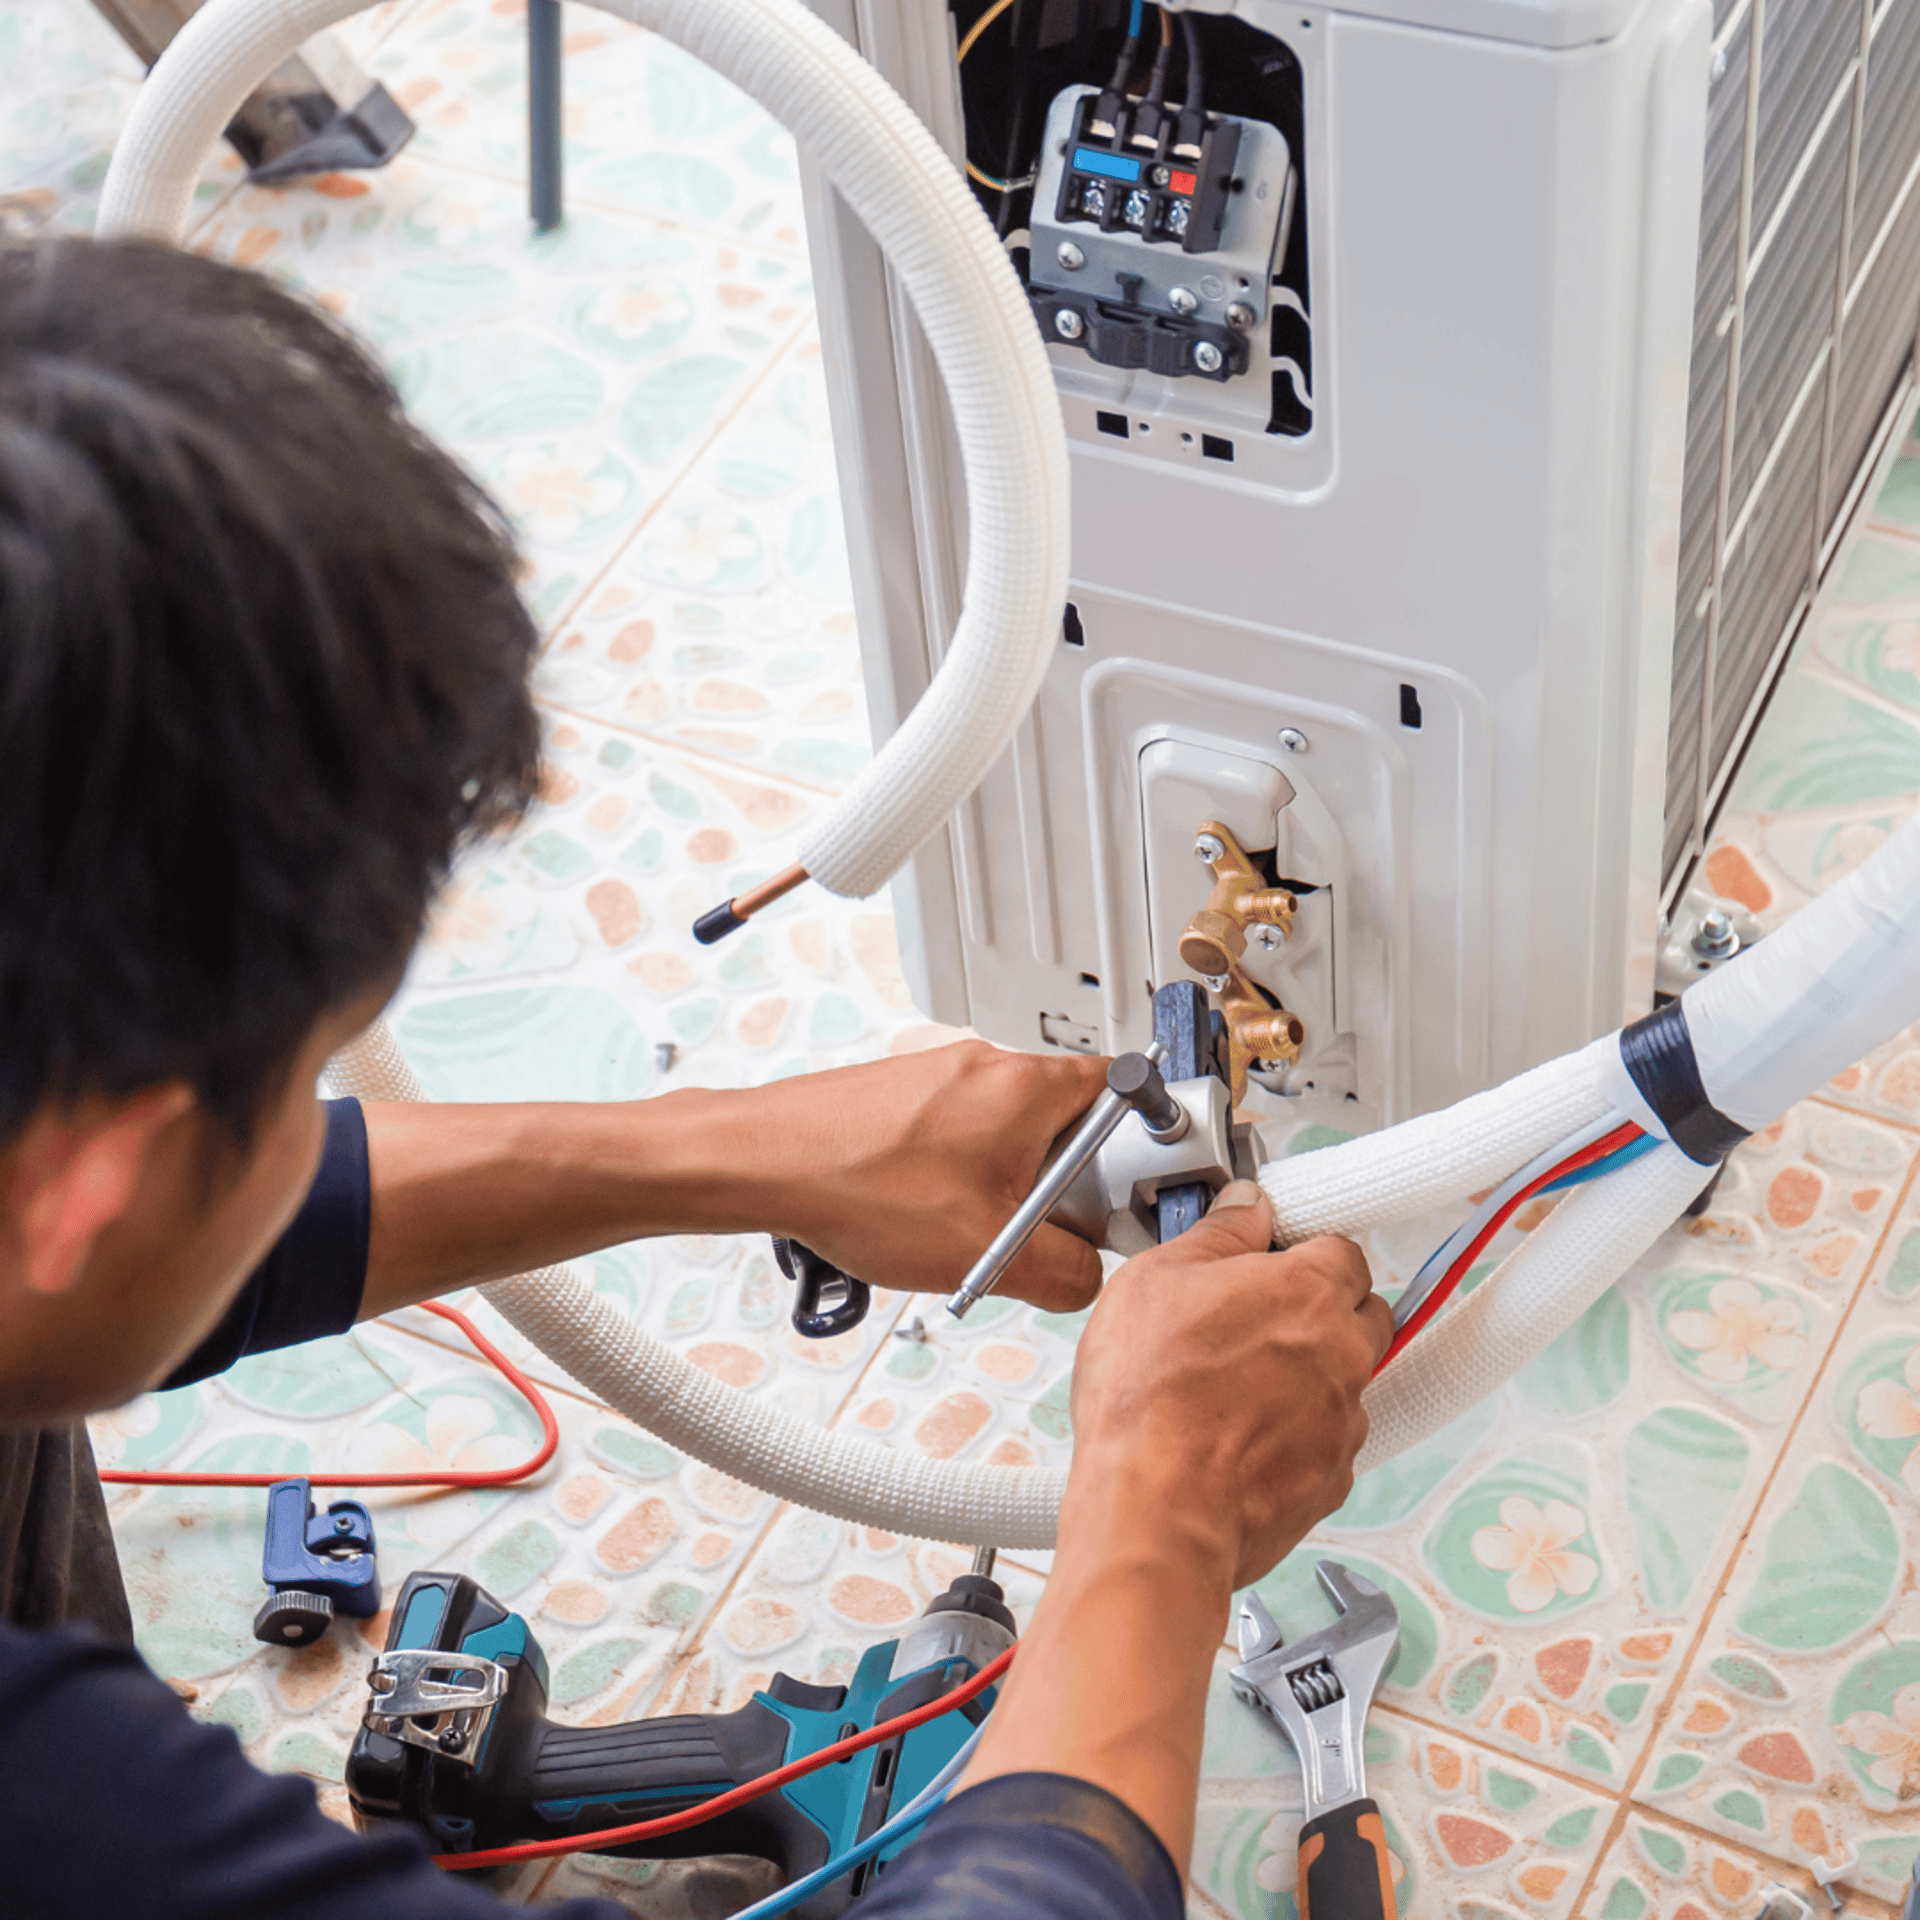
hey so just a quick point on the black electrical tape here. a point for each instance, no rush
(1658, 1052)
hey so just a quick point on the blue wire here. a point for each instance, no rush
(1133, 20)
(1611, 1164)
(910, 1816)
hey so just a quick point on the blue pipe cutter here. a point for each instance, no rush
(316, 1564)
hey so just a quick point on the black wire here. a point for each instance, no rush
(1196, 67)
(1123, 67)
(1025, 38)
(1157, 87)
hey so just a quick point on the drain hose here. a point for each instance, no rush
(970, 303)
(1765, 1030)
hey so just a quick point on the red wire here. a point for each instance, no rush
(475, 1477)
(609, 1837)
(1609, 1143)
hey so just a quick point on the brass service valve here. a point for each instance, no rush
(1216, 936)
(1215, 941)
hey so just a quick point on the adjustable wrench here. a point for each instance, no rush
(1318, 1691)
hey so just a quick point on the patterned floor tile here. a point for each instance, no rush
(645, 125)
(1660, 1870)
(725, 626)
(67, 82)
(593, 901)
(1798, 1726)
(577, 373)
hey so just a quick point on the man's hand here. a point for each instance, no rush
(1216, 1416)
(901, 1171)
(1217, 1366)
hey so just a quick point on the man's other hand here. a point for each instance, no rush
(1217, 1387)
(901, 1171)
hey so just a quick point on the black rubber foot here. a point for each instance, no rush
(717, 923)
(285, 135)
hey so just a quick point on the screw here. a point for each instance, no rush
(1240, 317)
(1070, 256)
(1716, 938)
(915, 1330)
(1068, 324)
(1208, 358)
(1160, 175)
(1265, 936)
(448, 1739)
(1183, 300)
(343, 1523)
(664, 1055)
(1209, 847)
(1293, 739)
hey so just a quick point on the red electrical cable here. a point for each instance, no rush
(474, 1477)
(1608, 1143)
(737, 1796)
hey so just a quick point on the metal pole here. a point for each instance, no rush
(543, 113)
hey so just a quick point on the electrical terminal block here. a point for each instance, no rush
(1155, 232)
(1161, 172)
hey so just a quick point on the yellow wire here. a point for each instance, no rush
(974, 32)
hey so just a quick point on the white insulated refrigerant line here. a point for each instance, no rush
(1741, 1046)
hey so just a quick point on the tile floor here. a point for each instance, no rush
(1661, 1598)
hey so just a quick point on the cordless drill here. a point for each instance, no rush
(456, 1742)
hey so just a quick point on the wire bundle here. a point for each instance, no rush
(1604, 1147)
(1122, 71)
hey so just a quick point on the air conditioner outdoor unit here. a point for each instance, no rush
(1402, 424)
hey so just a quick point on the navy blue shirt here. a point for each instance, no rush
(115, 1800)
(311, 1283)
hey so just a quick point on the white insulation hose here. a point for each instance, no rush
(971, 305)
(828, 1470)
(1768, 1028)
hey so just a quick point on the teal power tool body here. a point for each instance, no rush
(456, 1740)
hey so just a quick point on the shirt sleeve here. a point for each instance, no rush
(312, 1280)
(1030, 1846)
(119, 1802)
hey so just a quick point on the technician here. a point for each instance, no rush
(262, 676)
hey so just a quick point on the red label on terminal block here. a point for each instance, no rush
(1182, 183)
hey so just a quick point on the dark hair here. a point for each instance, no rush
(263, 667)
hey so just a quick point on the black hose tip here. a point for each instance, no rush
(716, 923)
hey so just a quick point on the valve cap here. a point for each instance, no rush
(292, 1618)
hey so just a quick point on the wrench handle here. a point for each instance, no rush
(1345, 1870)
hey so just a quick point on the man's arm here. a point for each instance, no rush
(900, 1171)
(1216, 1415)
